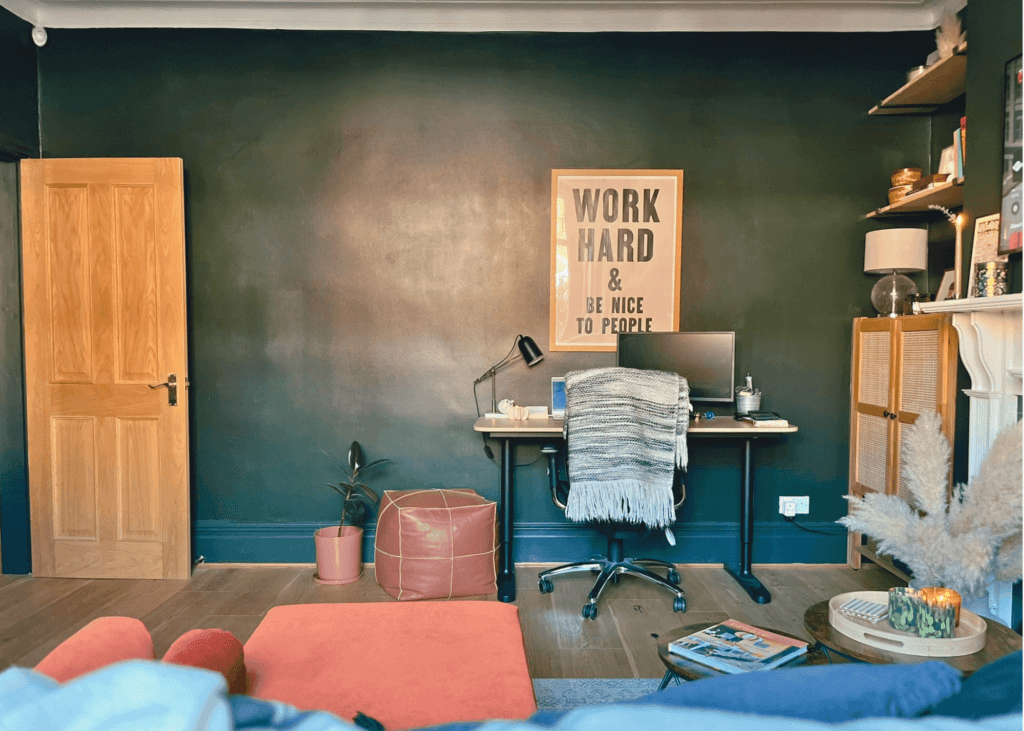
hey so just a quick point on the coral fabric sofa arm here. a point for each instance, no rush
(101, 642)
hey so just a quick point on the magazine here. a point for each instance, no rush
(735, 647)
(763, 418)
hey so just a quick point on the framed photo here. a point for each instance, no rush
(985, 248)
(945, 290)
(1010, 229)
(616, 255)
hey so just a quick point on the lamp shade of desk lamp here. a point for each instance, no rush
(527, 349)
(894, 251)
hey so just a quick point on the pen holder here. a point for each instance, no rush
(747, 402)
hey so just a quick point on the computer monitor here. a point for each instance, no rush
(707, 360)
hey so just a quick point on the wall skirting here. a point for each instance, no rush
(222, 541)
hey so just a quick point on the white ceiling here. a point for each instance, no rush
(578, 16)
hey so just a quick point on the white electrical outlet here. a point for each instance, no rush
(790, 506)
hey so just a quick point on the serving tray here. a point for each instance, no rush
(968, 637)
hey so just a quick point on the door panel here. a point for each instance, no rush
(104, 288)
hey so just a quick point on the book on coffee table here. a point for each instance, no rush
(735, 647)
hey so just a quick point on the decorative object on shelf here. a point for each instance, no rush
(958, 250)
(903, 602)
(1012, 221)
(904, 176)
(984, 249)
(948, 35)
(945, 290)
(942, 596)
(990, 279)
(899, 192)
(929, 180)
(915, 72)
(530, 353)
(954, 543)
(947, 164)
(894, 250)
(339, 549)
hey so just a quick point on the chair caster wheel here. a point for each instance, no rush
(589, 611)
(546, 587)
(673, 576)
(679, 605)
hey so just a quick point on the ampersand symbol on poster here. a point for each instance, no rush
(614, 284)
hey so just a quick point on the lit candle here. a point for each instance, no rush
(943, 597)
(958, 263)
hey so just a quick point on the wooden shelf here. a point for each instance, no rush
(940, 84)
(947, 195)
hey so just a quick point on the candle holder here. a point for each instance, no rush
(936, 620)
(942, 596)
(903, 606)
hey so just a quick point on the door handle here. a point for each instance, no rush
(886, 414)
(172, 389)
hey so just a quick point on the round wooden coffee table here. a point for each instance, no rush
(999, 640)
(681, 667)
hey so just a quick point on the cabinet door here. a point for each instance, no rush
(925, 381)
(872, 387)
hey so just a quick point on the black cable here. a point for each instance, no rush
(803, 527)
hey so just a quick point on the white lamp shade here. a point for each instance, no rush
(896, 250)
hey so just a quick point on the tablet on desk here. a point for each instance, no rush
(557, 398)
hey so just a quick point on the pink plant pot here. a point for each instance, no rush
(339, 559)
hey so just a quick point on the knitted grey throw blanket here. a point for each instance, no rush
(626, 433)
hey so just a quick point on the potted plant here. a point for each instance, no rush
(339, 549)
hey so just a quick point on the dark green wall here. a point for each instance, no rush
(19, 110)
(997, 40)
(368, 229)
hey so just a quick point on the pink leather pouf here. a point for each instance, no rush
(436, 544)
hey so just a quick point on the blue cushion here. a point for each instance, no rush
(994, 690)
(831, 693)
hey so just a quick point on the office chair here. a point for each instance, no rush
(611, 566)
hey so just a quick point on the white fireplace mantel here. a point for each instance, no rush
(990, 347)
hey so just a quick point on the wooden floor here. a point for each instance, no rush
(37, 614)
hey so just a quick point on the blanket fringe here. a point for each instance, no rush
(627, 501)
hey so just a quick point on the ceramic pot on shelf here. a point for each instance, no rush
(339, 559)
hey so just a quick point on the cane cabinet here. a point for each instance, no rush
(902, 367)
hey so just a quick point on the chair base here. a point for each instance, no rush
(610, 570)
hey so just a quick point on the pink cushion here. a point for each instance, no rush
(101, 642)
(213, 649)
(407, 665)
(435, 544)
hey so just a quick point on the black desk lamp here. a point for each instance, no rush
(527, 349)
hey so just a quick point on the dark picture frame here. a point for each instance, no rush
(1010, 222)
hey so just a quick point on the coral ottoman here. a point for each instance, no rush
(406, 665)
(435, 544)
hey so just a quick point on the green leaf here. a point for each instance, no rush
(369, 491)
(355, 457)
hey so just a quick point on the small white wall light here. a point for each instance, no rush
(39, 36)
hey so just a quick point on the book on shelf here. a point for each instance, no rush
(764, 418)
(734, 647)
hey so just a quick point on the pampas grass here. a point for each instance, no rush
(958, 544)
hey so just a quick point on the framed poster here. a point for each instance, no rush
(616, 253)
(984, 249)
(1010, 233)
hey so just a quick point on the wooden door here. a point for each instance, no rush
(104, 289)
(925, 359)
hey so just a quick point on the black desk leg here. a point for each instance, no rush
(506, 568)
(743, 574)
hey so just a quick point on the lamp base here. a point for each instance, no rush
(890, 293)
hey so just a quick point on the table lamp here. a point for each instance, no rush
(894, 250)
(530, 353)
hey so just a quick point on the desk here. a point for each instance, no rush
(508, 432)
